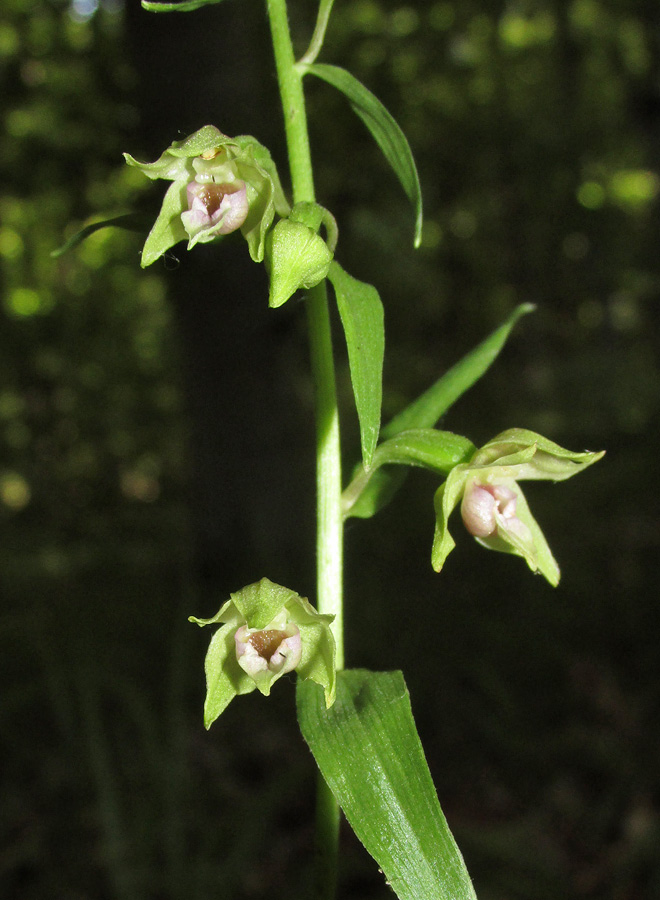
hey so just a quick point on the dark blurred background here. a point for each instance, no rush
(156, 446)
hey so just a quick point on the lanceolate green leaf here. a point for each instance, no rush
(388, 135)
(370, 754)
(127, 221)
(362, 317)
(439, 451)
(184, 6)
(434, 403)
(369, 492)
(371, 489)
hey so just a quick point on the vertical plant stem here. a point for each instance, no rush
(329, 540)
(329, 515)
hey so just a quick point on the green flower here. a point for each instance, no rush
(266, 631)
(493, 505)
(219, 184)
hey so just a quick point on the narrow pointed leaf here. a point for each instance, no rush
(439, 451)
(428, 448)
(384, 128)
(370, 754)
(127, 221)
(434, 403)
(183, 6)
(362, 317)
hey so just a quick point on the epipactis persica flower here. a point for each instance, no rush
(493, 506)
(219, 185)
(266, 631)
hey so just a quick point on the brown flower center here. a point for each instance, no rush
(266, 642)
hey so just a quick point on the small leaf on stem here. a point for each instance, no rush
(384, 128)
(362, 317)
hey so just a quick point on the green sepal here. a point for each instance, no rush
(258, 606)
(531, 456)
(297, 258)
(266, 197)
(513, 455)
(168, 228)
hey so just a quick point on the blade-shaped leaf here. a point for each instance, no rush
(387, 133)
(434, 403)
(128, 221)
(362, 317)
(439, 451)
(183, 6)
(370, 755)
(371, 489)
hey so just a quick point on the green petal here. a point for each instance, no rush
(446, 498)
(318, 659)
(264, 161)
(261, 602)
(318, 646)
(201, 141)
(226, 613)
(166, 166)
(546, 564)
(531, 456)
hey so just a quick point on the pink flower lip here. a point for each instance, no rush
(486, 506)
(274, 649)
(215, 208)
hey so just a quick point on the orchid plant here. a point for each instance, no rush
(358, 724)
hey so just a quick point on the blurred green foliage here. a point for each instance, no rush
(536, 126)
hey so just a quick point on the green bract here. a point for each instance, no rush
(298, 258)
(296, 255)
(267, 630)
(493, 506)
(219, 184)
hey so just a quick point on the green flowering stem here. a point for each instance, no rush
(328, 457)
(329, 516)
